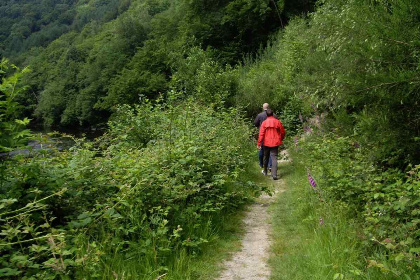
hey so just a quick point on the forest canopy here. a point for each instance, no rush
(25, 24)
(91, 55)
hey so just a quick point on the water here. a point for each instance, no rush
(47, 140)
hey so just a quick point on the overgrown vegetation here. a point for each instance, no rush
(13, 132)
(356, 61)
(384, 243)
(349, 74)
(313, 237)
(78, 78)
(169, 74)
(154, 187)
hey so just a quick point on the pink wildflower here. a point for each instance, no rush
(311, 181)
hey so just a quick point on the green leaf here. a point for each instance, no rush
(399, 257)
(9, 272)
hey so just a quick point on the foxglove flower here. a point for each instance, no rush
(312, 181)
(307, 129)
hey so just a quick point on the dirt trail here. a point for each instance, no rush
(250, 263)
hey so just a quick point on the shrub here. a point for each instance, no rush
(385, 201)
(153, 185)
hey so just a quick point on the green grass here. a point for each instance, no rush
(303, 248)
(223, 237)
(206, 266)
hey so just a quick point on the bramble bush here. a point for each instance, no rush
(126, 204)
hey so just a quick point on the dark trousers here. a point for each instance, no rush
(271, 153)
(261, 157)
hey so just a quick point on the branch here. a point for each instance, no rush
(386, 84)
(160, 277)
(32, 204)
(400, 42)
(29, 240)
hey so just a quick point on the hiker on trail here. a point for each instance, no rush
(258, 121)
(272, 133)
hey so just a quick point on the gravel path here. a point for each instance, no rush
(250, 263)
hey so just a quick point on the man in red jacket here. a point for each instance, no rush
(272, 133)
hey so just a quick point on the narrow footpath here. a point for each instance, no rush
(250, 263)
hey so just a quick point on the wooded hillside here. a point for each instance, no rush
(99, 61)
(174, 85)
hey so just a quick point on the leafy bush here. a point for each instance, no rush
(201, 76)
(354, 58)
(12, 129)
(386, 201)
(153, 185)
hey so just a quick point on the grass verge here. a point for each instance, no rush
(223, 235)
(206, 265)
(313, 239)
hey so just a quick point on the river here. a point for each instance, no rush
(46, 139)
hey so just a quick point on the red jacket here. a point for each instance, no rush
(271, 132)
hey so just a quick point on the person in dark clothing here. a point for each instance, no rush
(257, 122)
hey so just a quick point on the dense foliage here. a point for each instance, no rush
(78, 78)
(26, 24)
(347, 73)
(386, 202)
(153, 186)
(12, 129)
(348, 76)
(356, 61)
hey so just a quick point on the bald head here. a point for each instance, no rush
(265, 106)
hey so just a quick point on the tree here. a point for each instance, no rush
(12, 130)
